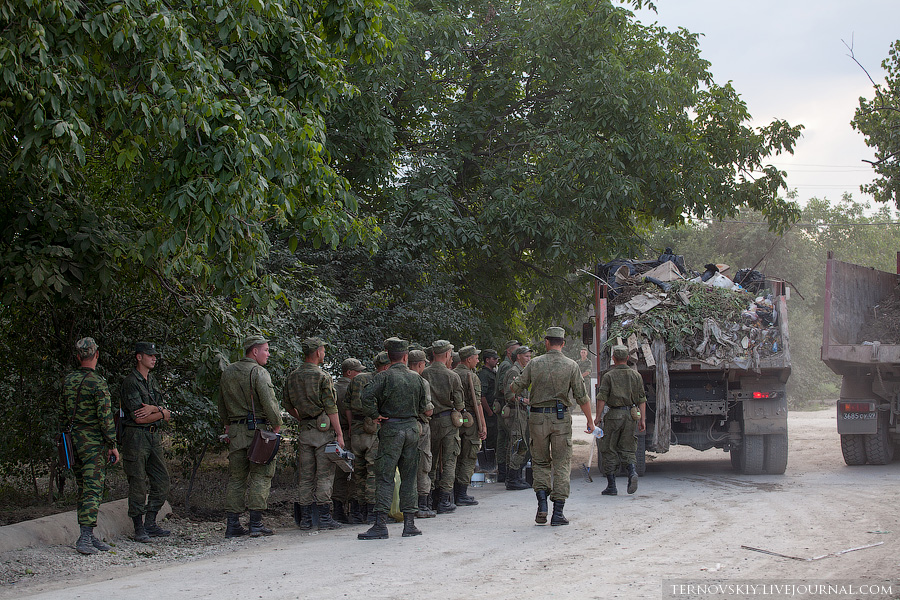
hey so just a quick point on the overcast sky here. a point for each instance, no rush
(787, 60)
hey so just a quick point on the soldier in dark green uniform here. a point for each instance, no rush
(621, 388)
(503, 415)
(423, 472)
(245, 389)
(309, 397)
(342, 490)
(446, 395)
(517, 408)
(554, 380)
(88, 414)
(395, 398)
(470, 438)
(364, 436)
(142, 451)
(487, 375)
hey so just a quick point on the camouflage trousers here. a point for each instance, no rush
(518, 438)
(618, 442)
(364, 447)
(342, 488)
(248, 483)
(90, 472)
(444, 451)
(502, 439)
(551, 452)
(316, 471)
(423, 478)
(398, 443)
(144, 463)
(469, 445)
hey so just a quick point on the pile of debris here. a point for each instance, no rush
(883, 321)
(707, 318)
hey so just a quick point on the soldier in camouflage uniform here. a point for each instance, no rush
(586, 365)
(245, 388)
(90, 419)
(142, 451)
(395, 398)
(516, 406)
(364, 436)
(310, 398)
(554, 380)
(469, 437)
(487, 376)
(621, 388)
(446, 395)
(503, 414)
(417, 364)
(342, 490)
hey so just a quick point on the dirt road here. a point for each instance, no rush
(687, 522)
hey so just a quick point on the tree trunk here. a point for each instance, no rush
(662, 432)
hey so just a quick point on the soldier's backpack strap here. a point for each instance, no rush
(252, 397)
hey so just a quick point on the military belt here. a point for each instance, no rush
(147, 428)
(622, 407)
(546, 409)
(399, 419)
(242, 421)
(444, 413)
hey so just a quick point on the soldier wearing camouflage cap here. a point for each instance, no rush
(470, 438)
(342, 490)
(244, 389)
(487, 376)
(446, 395)
(504, 416)
(553, 380)
(417, 363)
(621, 388)
(519, 437)
(89, 417)
(364, 444)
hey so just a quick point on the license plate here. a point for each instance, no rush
(870, 416)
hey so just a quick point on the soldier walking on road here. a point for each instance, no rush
(395, 398)
(554, 380)
(90, 418)
(469, 437)
(446, 395)
(245, 388)
(142, 451)
(622, 389)
(310, 398)
(586, 365)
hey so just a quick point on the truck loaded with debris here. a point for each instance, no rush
(713, 352)
(861, 342)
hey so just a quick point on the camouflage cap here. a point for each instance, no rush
(429, 354)
(395, 344)
(148, 348)
(381, 359)
(415, 346)
(441, 346)
(253, 340)
(467, 351)
(352, 364)
(619, 351)
(416, 356)
(521, 350)
(512, 343)
(454, 357)
(555, 332)
(486, 354)
(311, 344)
(86, 347)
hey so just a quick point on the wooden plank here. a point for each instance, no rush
(648, 354)
(662, 432)
(632, 345)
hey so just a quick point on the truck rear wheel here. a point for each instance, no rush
(735, 454)
(853, 449)
(879, 447)
(753, 455)
(776, 453)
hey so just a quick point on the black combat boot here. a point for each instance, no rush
(409, 525)
(339, 514)
(370, 514)
(501, 472)
(152, 529)
(356, 516)
(325, 520)
(461, 497)
(84, 545)
(541, 516)
(140, 534)
(610, 485)
(378, 531)
(515, 480)
(632, 479)
(257, 528)
(424, 512)
(558, 517)
(444, 505)
(233, 527)
(305, 517)
(99, 544)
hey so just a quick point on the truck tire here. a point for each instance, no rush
(640, 455)
(853, 449)
(753, 455)
(776, 454)
(879, 447)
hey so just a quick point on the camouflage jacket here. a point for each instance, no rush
(310, 391)
(342, 396)
(356, 387)
(552, 377)
(471, 386)
(395, 393)
(137, 391)
(504, 366)
(446, 387)
(621, 386)
(488, 379)
(237, 380)
(93, 413)
(508, 395)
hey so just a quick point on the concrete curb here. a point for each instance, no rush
(62, 528)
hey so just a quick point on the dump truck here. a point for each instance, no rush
(727, 392)
(866, 356)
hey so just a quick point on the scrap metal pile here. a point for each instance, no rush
(883, 321)
(707, 318)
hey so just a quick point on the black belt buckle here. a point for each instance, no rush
(559, 410)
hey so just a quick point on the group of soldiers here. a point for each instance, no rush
(424, 413)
